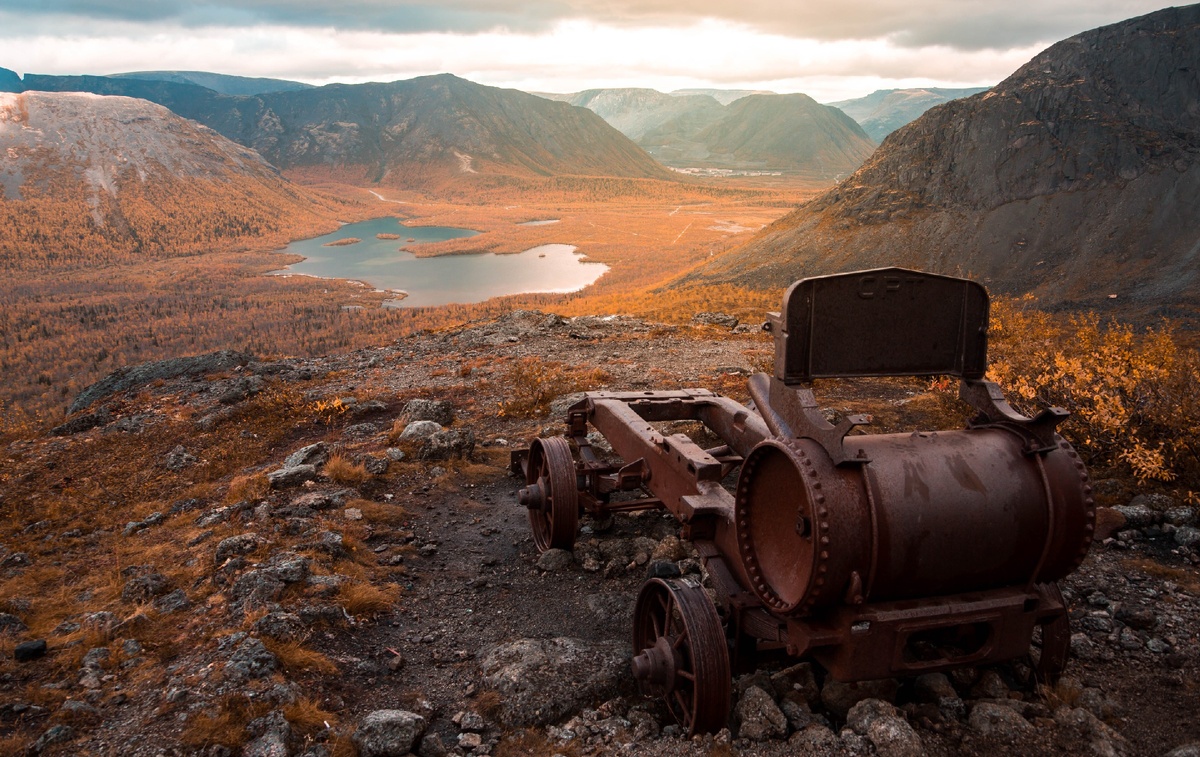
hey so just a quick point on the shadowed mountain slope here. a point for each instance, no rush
(1075, 178)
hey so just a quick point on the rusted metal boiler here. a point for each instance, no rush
(875, 555)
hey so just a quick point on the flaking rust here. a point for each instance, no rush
(874, 555)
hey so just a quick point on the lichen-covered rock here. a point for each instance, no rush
(294, 476)
(283, 626)
(883, 726)
(541, 680)
(419, 431)
(440, 412)
(316, 455)
(451, 443)
(250, 659)
(388, 733)
(236, 546)
(1004, 724)
(759, 717)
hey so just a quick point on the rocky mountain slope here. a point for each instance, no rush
(1077, 178)
(302, 557)
(723, 96)
(408, 133)
(87, 177)
(885, 110)
(633, 112)
(224, 84)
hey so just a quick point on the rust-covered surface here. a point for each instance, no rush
(876, 555)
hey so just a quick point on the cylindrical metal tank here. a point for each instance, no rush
(923, 515)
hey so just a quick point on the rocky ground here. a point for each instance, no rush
(325, 557)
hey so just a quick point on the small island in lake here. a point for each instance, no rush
(384, 235)
(342, 242)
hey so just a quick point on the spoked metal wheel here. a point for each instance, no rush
(551, 494)
(1056, 645)
(680, 653)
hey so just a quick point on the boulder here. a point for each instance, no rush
(440, 412)
(388, 733)
(759, 717)
(541, 680)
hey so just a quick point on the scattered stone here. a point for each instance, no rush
(55, 734)
(145, 586)
(554, 560)
(670, 548)
(839, 697)
(81, 423)
(270, 735)
(283, 626)
(419, 431)
(12, 624)
(759, 717)
(135, 526)
(1180, 516)
(353, 513)
(816, 739)
(883, 726)
(1187, 536)
(250, 659)
(715, 319)
(321, 500)
(237, 546)
(172, 602)
(395, 454)
(256, 589)
(470, 741)
(241, 390)
(541, 680)
(28, 651)
(1137, 514)
(388, 733)
(1001, 723)
(360, 430)
(315, 455)
(376, 466)
(179, 458)
(285, 478)
(932, 687)
(1101, 738)
(432, 746)
(1185, 750)
(77, 712)
(797, 682)
(443, 445)
(989, 686)
(438, 411)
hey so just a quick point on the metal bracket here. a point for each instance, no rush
(1040, 433)
(792, 411)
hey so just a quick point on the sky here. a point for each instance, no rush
(829, 49)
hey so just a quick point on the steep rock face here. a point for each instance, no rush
(883, 111)
(96, 176)
(1075, 178)
(408, 133)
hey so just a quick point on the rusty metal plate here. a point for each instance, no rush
(883, 322)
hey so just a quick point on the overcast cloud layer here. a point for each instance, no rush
(831, 49)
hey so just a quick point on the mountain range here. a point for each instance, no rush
(760, 132)
(1077, 178)
(221, 83)
(885, 110)
(416, 133)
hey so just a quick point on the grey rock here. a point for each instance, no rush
(1185, 750)
(256, 589)
(932, 687)
(1097, 621)
(270, 735)
(1087, 728)
(285, 478)
(432, 746)
(883, 726)
(839, 697)
(1137, 513)
(388, 733)
(395, 454)
(55, 734)
(645, 726)
(145, 587)
(316, 455)
(81, 423)
(12, 624)
(989, 686)
(139, 375)
(237, 546)
(1187, 536)
(797, 713)
(179, 458)
(172, 602)
(1180, 516)
(472, 721)
(287, 567)
(798, 680)
(250, 659)
(360, 430)
(440, 412)
(451, 443)
(1001, 723)
(541, 680)
(284, 626)
(816, 739)
(74, 711)
(419, 431)
(96, 657)
(376, 466)
(554, 560)
(321, 500)
(1155, 501)
(759, 717)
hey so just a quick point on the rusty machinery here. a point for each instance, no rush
(875, 555)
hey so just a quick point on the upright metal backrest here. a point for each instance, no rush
(882, 322)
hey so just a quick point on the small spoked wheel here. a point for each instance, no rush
(551, 494)
(680, 653)
(1056, 645)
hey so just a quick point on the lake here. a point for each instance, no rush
(443, 279)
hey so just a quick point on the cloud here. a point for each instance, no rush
(959, 24)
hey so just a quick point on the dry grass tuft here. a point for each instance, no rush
(532, 384)
(380, 513)
(341, 470)
(297, 658)
(488, 702)
(248, 488)
(343, 746)
(307, 718)
(368, 599)
(227, 727)
(1186, 579)
(15, 743)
